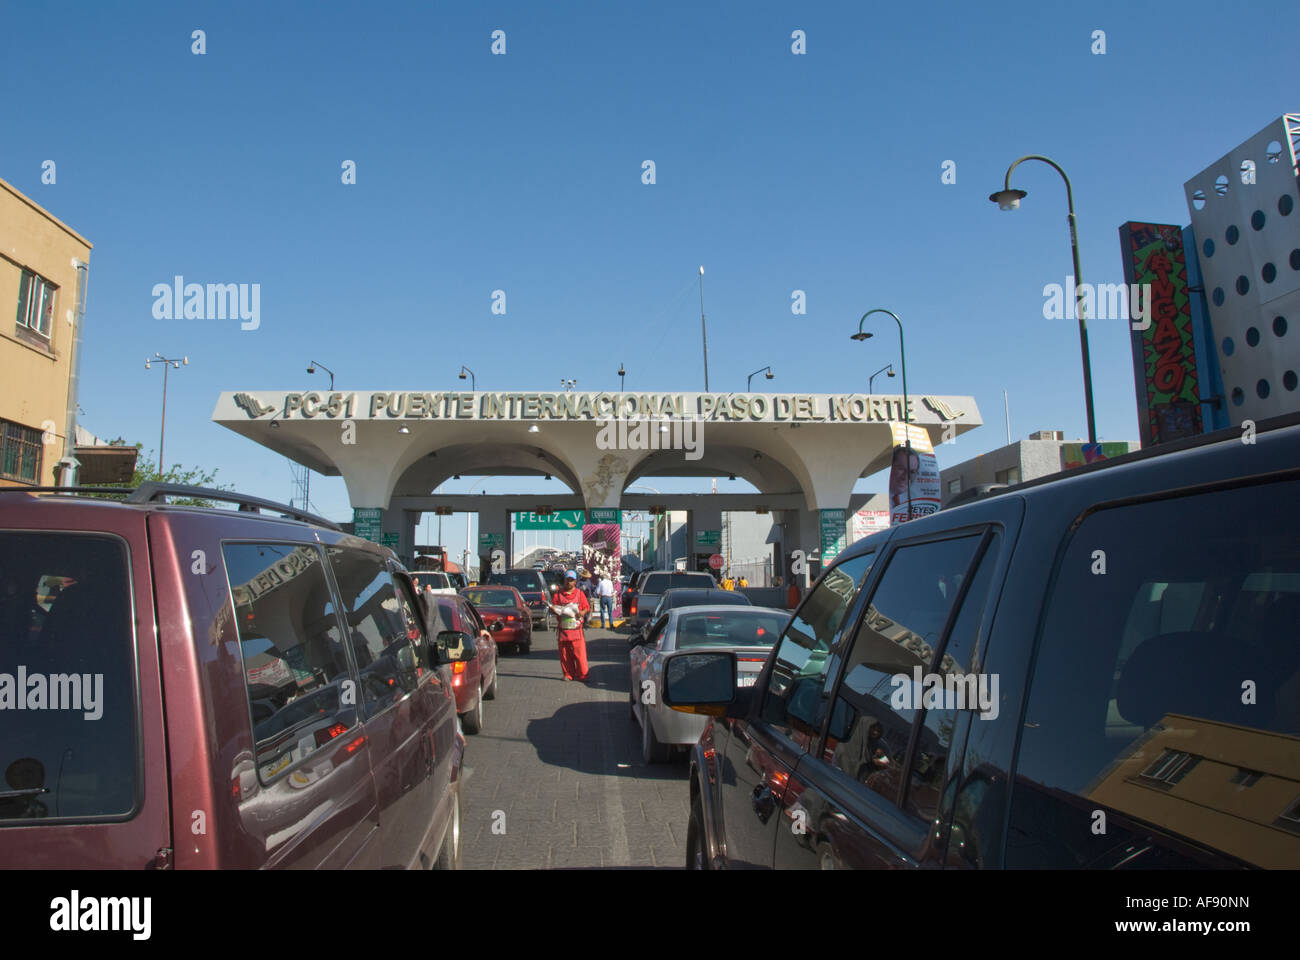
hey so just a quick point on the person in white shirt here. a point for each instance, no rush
(606, 594)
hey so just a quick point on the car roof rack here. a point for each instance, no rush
(152, 491)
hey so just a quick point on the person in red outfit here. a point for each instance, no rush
(573, 645)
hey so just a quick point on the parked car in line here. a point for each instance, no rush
(747, 632)
(688, 597)
(270, 671)
(985, 686)
(655, 583)
(473, 680)
(439, 583)
(533, 587)
(506, 614)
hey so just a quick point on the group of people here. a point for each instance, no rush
(731, 583)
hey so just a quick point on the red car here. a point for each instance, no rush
(474, 680)
(505, 612)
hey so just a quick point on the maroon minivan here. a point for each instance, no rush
(192, 687)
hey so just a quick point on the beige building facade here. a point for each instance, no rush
(44, 265)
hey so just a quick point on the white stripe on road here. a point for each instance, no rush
(614, 800)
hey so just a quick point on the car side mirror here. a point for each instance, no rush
(456, 646)
(703, 683)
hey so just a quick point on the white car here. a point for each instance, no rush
(748, 632)
(440, 582)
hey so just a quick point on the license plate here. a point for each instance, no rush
(746, 679)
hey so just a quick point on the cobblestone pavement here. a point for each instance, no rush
(555, 780)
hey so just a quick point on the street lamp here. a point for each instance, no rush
(621, 374)
(751, 377)
(167, 363)
(704, 332)
(311, 368)
(1009, 199)
(473, 384)
(568, 385)
(871, 379)
(907, 420)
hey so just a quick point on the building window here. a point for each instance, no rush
(954, 486)
(36, 303)
(20, 452)
(1009, 476)
(1171, 766)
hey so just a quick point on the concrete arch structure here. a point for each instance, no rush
(802, 452)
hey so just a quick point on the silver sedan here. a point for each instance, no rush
(749, 631)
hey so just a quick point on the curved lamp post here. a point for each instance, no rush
(750, 380)
(1009, 199)
(907, 420)
(872, 379)
(168, 363)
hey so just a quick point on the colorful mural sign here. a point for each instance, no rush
(1164, 354)
(1077, 454)
(602, 554)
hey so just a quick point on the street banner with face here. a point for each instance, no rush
(922, 468)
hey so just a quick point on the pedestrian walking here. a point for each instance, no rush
(570, 607)
(606, 593)
(742, 583)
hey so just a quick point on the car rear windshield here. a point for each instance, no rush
(741, 628)
(659, 582)
(491, 598)
(692, 598)
(68, 740)
(519, 579)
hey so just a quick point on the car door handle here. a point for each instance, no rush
(763, 802)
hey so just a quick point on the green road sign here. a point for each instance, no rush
(834, 534)
(604, 515)
(559, 520)
(368, 522)
(708, 538)
(390, 540)
(487, 542)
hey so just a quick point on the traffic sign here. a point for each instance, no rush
(717, 561)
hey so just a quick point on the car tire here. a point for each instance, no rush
(697, 856)
(491, 692)
(652, 751)
(472, 722)
(524, 648)
(449, 855)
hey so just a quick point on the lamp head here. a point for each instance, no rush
(146, 365)
(403, 429)
(861, 335)
(770, 375)
(462, 375)
(891, 371)
(1008, 199)
(312, 368)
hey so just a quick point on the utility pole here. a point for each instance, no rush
(704, 332)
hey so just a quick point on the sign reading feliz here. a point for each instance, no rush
(735, 407)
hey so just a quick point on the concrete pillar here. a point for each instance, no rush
(493, 524)
(402, 523)
(801, 531)
(705, 522)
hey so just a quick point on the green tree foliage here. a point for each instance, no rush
(146, 471)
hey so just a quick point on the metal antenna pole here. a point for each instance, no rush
(704, 332)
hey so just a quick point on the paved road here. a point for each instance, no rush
(558, 769)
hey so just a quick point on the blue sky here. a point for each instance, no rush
(522, 172)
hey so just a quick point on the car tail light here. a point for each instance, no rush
(510, 616)
(631, 607)
(329, 733)
(458, 667)
(752, 659)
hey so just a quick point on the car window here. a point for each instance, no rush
(1166, 686)
(654, 633)
(67, 661)
(491, 598)
(895, 645)
(299, 682)
(657, 583)
(387, 657)
(803, 667)
(741, 628)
